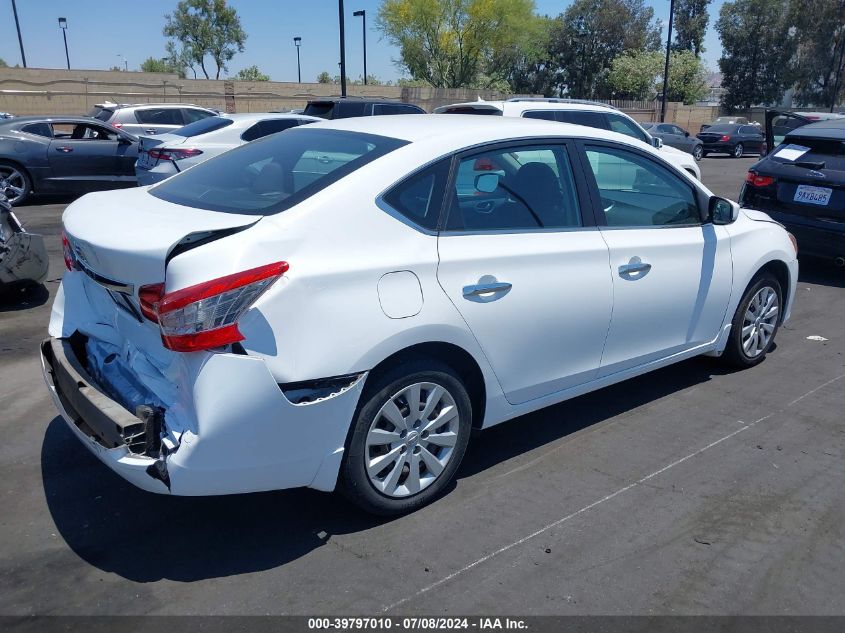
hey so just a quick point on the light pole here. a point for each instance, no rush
(342, 49)
(18, 27)
(363, 15)
(63, 27)
(125, 61)
(666, 65)
(297, 41)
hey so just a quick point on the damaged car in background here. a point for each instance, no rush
(23, 257)
(339, 305)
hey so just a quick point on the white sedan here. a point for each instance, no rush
(166, 155)
(339, 305)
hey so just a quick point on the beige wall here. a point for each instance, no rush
(34, 91)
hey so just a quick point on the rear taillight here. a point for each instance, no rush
(67, 251)
(756, 180)
(150, 296)
(205, 315)
(173, 154)
(725, 138)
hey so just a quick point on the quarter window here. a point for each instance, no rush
(267, 127)
(583, 117)
(545, 115)
(625, 126)
(636, 191)
(420, 197)
(517, 188)
(192, 114)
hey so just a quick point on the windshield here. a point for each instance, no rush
(275, 173)
(203, 126)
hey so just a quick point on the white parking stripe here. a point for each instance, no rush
(592, 505)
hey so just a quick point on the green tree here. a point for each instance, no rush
(690, 25)
(324, 78)
(251, 74)
(687, 77)
(758, 48)
(525, 63)
(820, 62)
(206, 28)
(639, 75)
(454, 43)
(3, 63)
(590, 34)
(161, 65)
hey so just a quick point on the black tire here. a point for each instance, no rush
(703, 154)
(738, 150)
(354, 481)
(734, 353)
(6, 167)
(697, 152)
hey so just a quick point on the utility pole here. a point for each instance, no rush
(342, 50)
(63, 27)
(666, 65)
(18, 27)
(363, 15)
(297, 41)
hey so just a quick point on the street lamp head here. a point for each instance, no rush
(62, 23)
(359, 14)
(297, 41)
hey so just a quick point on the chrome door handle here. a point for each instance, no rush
(634, 267)
(152, 130)
(483, 289)
(65, 150)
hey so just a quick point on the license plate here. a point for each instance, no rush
(813, 195)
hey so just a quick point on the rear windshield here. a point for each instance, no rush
(721, 129)
(274, 173)
(103, 114)
(322, 109)
(203, 126)
(471, 110)
(829, 147)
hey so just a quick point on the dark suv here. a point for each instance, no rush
(345, 107)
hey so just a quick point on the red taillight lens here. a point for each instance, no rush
(67, 251)
(205, 315)
(150, 296)
(755, 180)
(117, 125)
(725, 138)
(173, 154)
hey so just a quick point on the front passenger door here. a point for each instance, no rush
(671, 273)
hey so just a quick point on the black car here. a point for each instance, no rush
(345, 107)
(677, 137)
(733, 139)
(801, 184)
(67, 155)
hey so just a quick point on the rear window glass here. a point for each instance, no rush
(471, 110)
(322, 109)
(589, 119)
(159, 116)
(267, 127)
(545, 115)
(203, 126)
(818, 146)
(103, 114)
(722, 129)
(274, 173)
(395, 108)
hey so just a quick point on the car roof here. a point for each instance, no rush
(357, 100)
(829, 128)
(249, 117)
(120, 106)
(525, 104)
(55, 118)
(465, 130)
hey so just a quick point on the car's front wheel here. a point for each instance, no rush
(738, 150)
(755, 322)
(14, 183)
(408, 438)
(697, 152)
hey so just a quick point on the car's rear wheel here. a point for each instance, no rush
(738, 150)
(755, 323)
(14, 182)
(408, 438)
(697, 152)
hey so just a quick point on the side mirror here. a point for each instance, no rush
(686, 133)
(723, 211)
(657, 142)
(487, 183)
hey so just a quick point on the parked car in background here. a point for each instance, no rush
(23, 256)
(801, 184)
(6, 115)
(733, 139)
(677, 137)
(66, 155)
(149, 118)
(345, 107)
(164, 155)
(266, 321)
(589, 113)
(780, 123)
(728, 120)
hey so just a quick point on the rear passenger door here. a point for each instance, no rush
(671, 272)
(522, 261)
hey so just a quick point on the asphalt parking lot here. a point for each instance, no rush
(691, 490)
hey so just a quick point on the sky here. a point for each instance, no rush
(104, 34)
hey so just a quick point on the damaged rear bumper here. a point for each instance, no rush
(238, 431)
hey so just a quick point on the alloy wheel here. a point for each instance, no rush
(12, 183)
(697, 152)
(411, 439)
(759, 322)
(738, 150)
